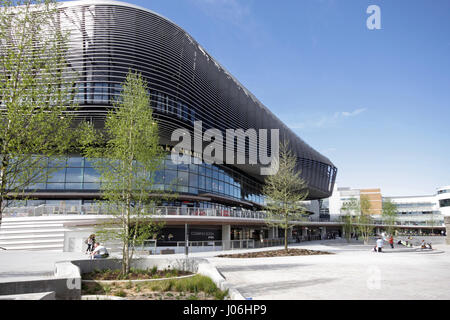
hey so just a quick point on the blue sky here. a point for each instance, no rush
(376, 102)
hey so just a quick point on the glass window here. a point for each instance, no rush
(221, 186)
(170, 165)
(73, 186)
(183, 167)
(201, 169)
(183, 178)
(193, 180)
(208, 172)
(75, 162)
(193, 168)
(88, 163)
(444, 203)
(91, 186)
(57, 176)
(201, 182)
(57, 162)
(159, 177)
(170, 177)
(215, 185)
(208, 184)
(216, 174)
(91, 175)
(55, 186)
(37, 186)
(74, 175)
(193, 190)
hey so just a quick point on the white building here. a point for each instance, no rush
(428, 210)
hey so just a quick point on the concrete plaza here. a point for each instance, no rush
(353, 272)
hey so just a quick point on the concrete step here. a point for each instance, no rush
(15, 243)
(31, 231)
(30, 226)
(47, 247)
(32, 236)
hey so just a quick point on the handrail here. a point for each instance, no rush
(48, 210)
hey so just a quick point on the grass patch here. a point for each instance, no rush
(197, 287)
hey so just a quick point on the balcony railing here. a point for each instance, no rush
(86, 210)
(48, 210)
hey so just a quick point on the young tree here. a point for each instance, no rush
(350, 209)
(36, 95)
(127, 155)
(364, 220)
(285, 192)
(390, 215)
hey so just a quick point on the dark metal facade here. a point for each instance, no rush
(186, 84)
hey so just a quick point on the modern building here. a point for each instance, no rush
(414, 211)
(186, 84)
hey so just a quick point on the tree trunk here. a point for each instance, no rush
(286, 239)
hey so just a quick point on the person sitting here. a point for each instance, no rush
(380, 244)
(99, 252)
(423, 245)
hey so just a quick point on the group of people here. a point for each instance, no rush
(408, 243)
(94, 249)
(380, 243)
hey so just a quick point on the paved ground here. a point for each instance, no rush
(353, 272)
(19, 265)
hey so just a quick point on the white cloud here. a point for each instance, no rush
(354, 113)
(327, 120)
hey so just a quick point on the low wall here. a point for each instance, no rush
(66, 283)
(30, 296)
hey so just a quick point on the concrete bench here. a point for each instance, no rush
(168, 251)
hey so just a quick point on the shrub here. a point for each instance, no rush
(154, 270)
(120, 293)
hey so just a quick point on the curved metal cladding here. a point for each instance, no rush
(109, 38)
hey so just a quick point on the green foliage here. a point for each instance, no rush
(285, 192)
(390, 215)
(127, 154)
(357, 217)
(364, 220)
(154, 270)
(121, 293)
(36, 95)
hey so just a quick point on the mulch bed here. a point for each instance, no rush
(275, 253)
(116, 275)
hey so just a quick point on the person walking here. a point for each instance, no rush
(391, 241)
(90, 243)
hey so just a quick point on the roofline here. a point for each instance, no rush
(65, 4)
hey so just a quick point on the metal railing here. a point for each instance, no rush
(148, 246)
(218, 245)
(49, 210)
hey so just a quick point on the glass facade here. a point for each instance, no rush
(444, 203)
(77, 173)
